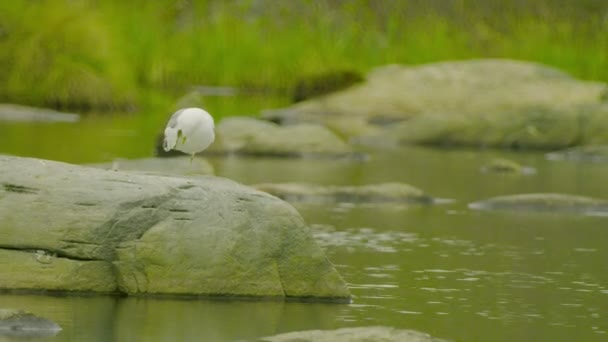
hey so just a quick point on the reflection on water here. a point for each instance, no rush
(443, 269)
(139, 319)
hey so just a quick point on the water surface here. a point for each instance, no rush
(445, 270)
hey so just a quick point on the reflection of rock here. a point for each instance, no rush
(374, 193)
(478, 102)
(73, 228)
(177, 165)
(545, 202)
(592, 153)
(18, 323)
(201, 319)
(11, 112)
(359, 334)
(262, 138)
(77, 315)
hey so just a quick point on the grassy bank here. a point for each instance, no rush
(117, 55)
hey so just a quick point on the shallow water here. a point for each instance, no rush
(445, 270)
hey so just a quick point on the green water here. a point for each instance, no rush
(445, 270)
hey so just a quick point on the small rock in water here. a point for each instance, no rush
(506, 166)
(19, 323)
(359, 334)
(591, 153)
(372, 193)
(545, 202)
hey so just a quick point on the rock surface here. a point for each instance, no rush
(373, 193)
(591, 153)
(18, 323)
(545, 202)
(175, 165)
(250, 136)
(18, 113)
(532, 127)
(359, 334)
(488, 102)
(73, 228)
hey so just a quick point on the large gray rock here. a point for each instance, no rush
(18, 113)
(251, 136)
(359, 334)
(545, 202)
(73, 228)
(18, 323)
(372, 193)
(534, 127)
(477, 102)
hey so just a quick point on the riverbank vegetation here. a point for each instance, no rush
(122, 55)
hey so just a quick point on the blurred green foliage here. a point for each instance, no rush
(118, 55)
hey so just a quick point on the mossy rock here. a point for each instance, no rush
(373, 193)
(249, 136)
(545, 202)
(541, 128)
(71, 228)
(488, 102)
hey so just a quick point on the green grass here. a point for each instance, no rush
(118, 55)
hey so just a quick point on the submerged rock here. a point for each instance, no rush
(502, 166)
(177, 165)
(506, 166)
(545, 202)
(591, 153)
(489, 102)
(19, 323)
(359, 334)
(74, 228)
(18, 113)
(248, 136)
(373, 193)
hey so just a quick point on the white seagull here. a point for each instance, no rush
(190, 130)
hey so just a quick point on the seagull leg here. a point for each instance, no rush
(192, 158)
